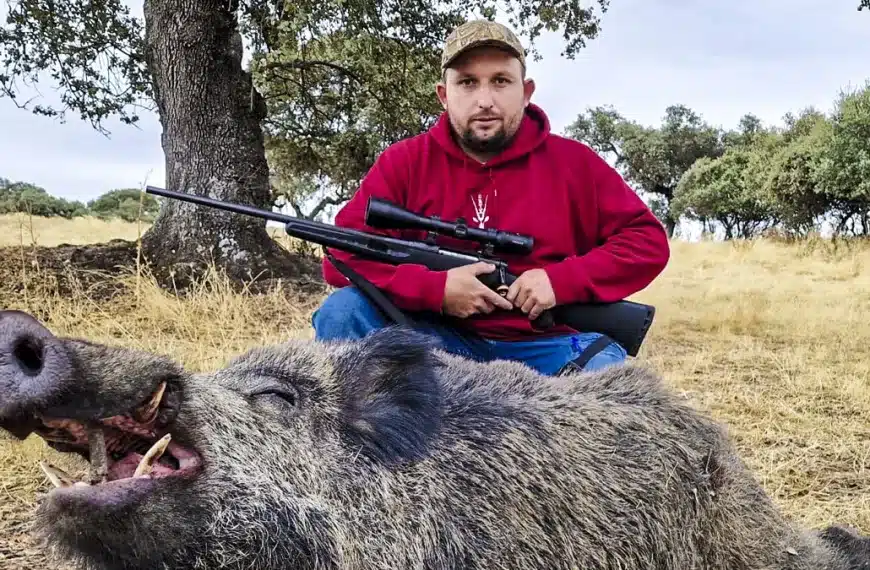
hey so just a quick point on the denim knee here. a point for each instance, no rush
(610, 355)
(346, 314)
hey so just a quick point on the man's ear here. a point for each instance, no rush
(441, 91)
(528, 91)
(391, 395)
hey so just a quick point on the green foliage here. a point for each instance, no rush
(726, 189)
(23, 197)
(813, 170)
(845, 165)
(345, 80)
(328, 123)
(749, 130)
(91, 49)
(126, 204)
(794, 179)
(653, 159)
(26, 198)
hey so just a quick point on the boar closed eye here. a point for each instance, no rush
(285, 397)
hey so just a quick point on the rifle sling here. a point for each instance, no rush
(581, 361)
(387, 308)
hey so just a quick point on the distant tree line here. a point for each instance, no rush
(790, 179)
(124, 203)
(809, 174)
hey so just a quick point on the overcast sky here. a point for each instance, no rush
(723, 59)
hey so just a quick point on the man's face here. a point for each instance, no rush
(485, 95)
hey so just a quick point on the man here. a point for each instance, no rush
(492, 160)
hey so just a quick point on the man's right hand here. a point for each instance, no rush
(465, 295)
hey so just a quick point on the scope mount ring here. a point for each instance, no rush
(461, 228)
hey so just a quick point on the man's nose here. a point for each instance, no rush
(484, 97)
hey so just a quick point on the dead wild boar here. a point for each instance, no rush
(385, 454)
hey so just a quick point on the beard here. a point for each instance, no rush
(493, 144)
(496, 142)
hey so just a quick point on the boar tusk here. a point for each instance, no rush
(152, 455)
(148, 411)
(58, 477)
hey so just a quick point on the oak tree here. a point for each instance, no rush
(186, 61)
(653, 159)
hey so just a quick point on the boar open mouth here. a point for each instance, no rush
(130, 448)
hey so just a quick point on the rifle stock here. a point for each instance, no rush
(626, 322)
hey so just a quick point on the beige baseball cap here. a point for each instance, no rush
(478, 33)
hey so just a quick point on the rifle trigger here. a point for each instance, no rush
(502, 288)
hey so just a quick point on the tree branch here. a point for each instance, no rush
(301, 64)
(328, 201)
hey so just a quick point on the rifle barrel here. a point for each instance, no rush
(228, 206)
(353, 241)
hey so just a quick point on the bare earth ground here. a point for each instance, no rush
(772, 338)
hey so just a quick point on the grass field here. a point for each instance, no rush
(772, 338)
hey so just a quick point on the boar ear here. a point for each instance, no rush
(391, 405)
(851, 544)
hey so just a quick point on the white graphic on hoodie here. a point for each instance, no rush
(480, 216)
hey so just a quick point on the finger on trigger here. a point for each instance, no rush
(498, 300)
(512, 292)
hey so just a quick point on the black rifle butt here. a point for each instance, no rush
(626, 322)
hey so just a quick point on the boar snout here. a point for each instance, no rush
(30, 362)
(22, 343)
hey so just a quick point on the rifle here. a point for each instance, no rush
(625, 322)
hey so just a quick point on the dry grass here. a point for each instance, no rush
(17, 229)
(771, 338)
(23, 229)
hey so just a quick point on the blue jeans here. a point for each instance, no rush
(347, 314)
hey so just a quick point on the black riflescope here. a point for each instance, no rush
(384, 214)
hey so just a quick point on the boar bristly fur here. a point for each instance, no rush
(388, 454)
(854, 547)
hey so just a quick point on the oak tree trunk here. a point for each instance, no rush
(213, 144)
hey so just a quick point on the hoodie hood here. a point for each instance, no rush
(534, 130)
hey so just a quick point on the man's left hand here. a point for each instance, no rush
(532, 293)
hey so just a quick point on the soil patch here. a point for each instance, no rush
(99, 271)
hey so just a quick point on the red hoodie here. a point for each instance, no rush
(593, 235)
